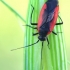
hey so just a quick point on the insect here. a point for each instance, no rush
(46, 21)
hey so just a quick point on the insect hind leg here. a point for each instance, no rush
(60, 23)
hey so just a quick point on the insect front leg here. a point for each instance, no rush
(31, 17)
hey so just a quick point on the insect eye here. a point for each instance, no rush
(41, 38)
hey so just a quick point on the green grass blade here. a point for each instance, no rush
(13, 10)
(53, 58)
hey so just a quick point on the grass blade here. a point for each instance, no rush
(14, 11)
(53, 58)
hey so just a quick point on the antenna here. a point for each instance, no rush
(25, 46)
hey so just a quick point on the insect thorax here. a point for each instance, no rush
(42, 35)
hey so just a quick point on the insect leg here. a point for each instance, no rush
(31, 17)
(59, 22)
(54, 33)
(48, 43)
(35, 34)
(41, 55)
(30, 26)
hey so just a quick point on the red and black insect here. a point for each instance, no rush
(46, 21)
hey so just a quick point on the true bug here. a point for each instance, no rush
(46, 21)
